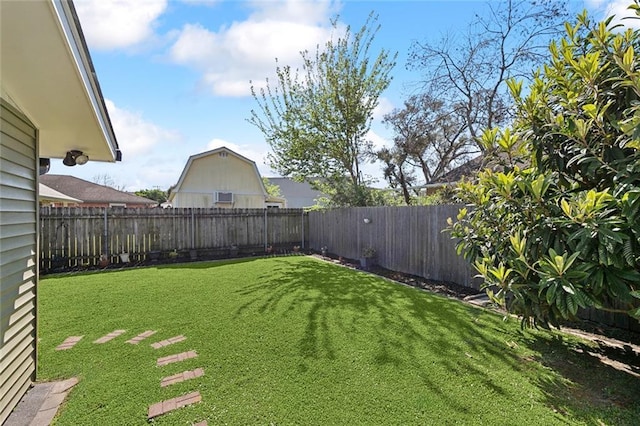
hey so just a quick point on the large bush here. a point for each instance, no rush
(558, 227)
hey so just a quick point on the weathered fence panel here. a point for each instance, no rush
(74, 237)
(406, 239)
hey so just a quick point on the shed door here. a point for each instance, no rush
(18, 258)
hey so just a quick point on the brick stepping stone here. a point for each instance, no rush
(202, 423)
(181, 377)
(168, 342)
(140, 337)
(176, 358)
(164, 407)
(68, 343)
(110, 336)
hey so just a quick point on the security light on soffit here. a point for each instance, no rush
(75, 157)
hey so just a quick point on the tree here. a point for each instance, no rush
(272, 189)
(429, 135)
(316, 119)
(564, 233)
(470, 72)
(106, 179)
(395, 171)
(156, 195)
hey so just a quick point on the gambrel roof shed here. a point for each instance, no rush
(221, 178)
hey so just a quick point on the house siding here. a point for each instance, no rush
(18, 262)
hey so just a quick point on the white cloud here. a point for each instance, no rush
(118, 24)
(377, 140)
(229, 58)
(249, 151)
(385, 106)
(619, 8)
(136, 136)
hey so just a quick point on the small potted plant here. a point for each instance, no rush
(324, 250)
(233, 250)
(104, 260)
(368, 258)
(296, 249)
(173, 255)
(124, 257)
(269, 249)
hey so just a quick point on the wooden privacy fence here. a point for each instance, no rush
(406, 239)
(73, 237)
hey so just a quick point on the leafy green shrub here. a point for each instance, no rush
(563, 232)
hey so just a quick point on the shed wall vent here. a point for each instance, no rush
(224, 197)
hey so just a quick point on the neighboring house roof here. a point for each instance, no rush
(216, 151)
(297, 194)
(471, 168)
(90, 192)
(47, 74)
(49, 194)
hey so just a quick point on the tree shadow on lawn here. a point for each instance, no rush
(405, 323)
(599, 383)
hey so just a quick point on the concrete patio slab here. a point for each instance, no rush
(40, 404)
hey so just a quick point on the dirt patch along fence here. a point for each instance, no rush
(406, 239)
(76, 237)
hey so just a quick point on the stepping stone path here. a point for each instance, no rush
(109, 336)
(140, 337)
(168, 342)
(168, 405)
(175, 358)
(69, 343)
(181, 377)
(164, 407)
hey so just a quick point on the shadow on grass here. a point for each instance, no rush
(582, 386)
(597, 383)
(405, 323)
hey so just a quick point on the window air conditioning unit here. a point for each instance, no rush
(224, 197)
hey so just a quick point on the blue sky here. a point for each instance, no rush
(175, 74)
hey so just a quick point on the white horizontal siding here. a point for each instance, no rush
(18, 263)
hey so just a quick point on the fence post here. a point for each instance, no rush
(266, 234)
(106, 234)
(302, 219)
(193, 229)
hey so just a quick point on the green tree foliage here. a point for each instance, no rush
(316, 119)
(564, 231)
(157, 195)
(272, 189)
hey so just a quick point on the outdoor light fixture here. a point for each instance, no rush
(45, 165)
(367, 220)
(75, 157)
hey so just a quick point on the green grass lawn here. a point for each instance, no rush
(297, 341)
